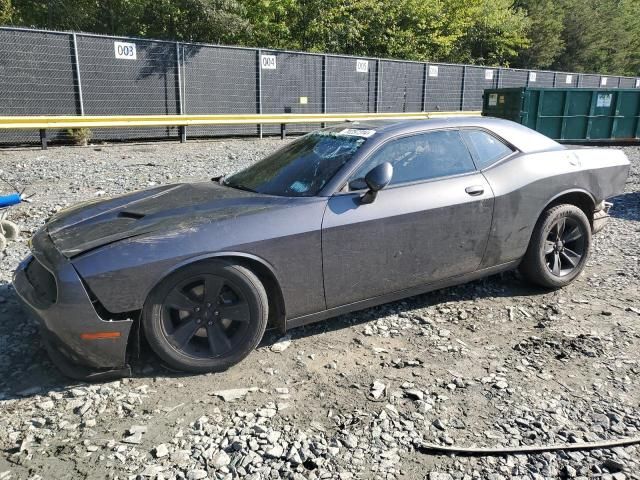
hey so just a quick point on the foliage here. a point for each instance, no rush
(6, 11)
(572, 35)
(546, 24)
(496, 35)
(80, 136)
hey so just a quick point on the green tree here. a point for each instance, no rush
(55, 14)
(588, 35)
(411, 29)
(195, 20)
(575, 35)
(546, 23)
(6, 12)
(271, 22)
(212, 21)
(497, 34)
(451, 30)
(625, 58)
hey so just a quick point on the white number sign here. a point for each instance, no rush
(433, 70)
(603, 81)
(488, 74)
(268, 62)
(637, 82)
(362, 66)
(569, 79)
(533, 76)
(125, 50)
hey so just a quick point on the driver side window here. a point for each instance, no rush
(422, 157)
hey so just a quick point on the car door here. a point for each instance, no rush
(430, 223)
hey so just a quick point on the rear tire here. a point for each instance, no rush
(559, 247)
(206, 317)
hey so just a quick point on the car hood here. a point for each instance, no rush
(170, 208)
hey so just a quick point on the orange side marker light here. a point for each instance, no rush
(99, 335)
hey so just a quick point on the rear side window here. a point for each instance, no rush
(487, 149)
(422, 157)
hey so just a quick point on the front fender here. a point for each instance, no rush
(122, 274)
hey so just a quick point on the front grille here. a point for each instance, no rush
(42, 282)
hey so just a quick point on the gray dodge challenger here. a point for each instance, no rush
(341, 219)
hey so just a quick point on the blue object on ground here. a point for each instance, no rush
(9, 200)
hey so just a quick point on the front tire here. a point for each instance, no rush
(206, 317)
(559, 247)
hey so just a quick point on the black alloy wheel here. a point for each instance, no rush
(559, 247)
(206, 317)
(564, 246)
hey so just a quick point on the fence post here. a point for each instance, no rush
(76, 64)
(579, 82)
(324, 87)
(378, 84)
(424, 87)
(182, 128)
(463, 86)
(43, 139)
(555, 79)
(499, 79)
(259, 89)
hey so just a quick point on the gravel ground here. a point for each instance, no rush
(490, 363)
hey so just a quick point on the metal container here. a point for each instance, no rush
(570, 114)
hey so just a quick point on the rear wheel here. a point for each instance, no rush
(206, 317)
(559, 247)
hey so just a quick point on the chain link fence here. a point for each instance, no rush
(63, 73)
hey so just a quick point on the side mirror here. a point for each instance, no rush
(377, 178)
(357, 184)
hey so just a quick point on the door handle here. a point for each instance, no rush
(475, 190)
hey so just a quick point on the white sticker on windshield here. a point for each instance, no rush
(357, 132)
(299, 187)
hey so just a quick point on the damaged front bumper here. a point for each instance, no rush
(81, 344)
(601, 216)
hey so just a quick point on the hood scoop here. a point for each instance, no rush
(165, 209)
(131, 215)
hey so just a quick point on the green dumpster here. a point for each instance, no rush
(570, 114)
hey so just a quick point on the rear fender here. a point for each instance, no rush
(588, 198)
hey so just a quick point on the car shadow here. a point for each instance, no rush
(626, 206)
(507, 284)
(26, 371)
(25, 368)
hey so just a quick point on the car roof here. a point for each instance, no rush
(521, 137)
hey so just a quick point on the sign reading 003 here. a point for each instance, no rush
(125, 50)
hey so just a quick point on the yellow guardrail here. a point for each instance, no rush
(106, 121)
(44, 123)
